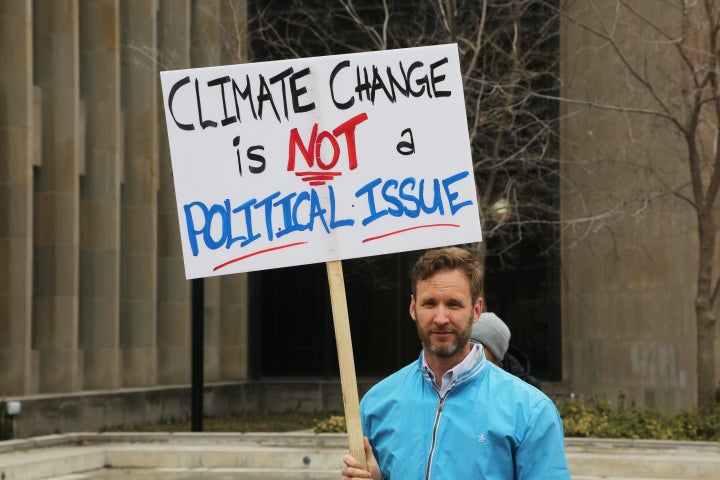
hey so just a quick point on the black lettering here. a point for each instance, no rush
(405, 147)
(378, 84)
(297, 92)
(236, 143)
(265, 96)
(416, 93)
(255, 157)
(362, 86)
(245, 94)
(280, 77)
(221, 82)
(203, 123)
(435, 79)
(171, 98)
(403, 88)
(336, 70)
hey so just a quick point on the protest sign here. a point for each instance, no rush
(320, 159)
(317, 160)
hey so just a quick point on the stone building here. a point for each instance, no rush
(630, 270)
(93, 297)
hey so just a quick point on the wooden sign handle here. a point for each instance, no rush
(346, 362)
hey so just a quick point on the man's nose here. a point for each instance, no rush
(442, 316)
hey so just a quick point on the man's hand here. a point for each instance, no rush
(353, 468)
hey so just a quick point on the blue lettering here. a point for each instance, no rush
(192, 231)
(316, 211)
(267, 203)
(452, 196)
(288, 224)
(337, 223)
(437, 204)
(398, 210)
(244, 240)
(302, 197)
(221, 224)
(368, 190)
(224, 212)
(410, 197)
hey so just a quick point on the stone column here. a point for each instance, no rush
(138, 267)
(206, 45)
(233, 331)
(174, 299)
(16, 199)
(56, 222)
(234, 18)
(211, 314)
(233, 328)
(100, 194)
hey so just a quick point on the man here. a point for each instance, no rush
(453, 415)
(494, 335)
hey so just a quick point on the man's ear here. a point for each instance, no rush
(412, 308)
(477, 310)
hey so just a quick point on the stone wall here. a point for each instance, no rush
(630, 253)
(92, 288)
(123, 408)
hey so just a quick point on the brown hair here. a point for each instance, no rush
(448, 258)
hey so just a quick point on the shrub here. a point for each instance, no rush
(333, 424)
(597, 418)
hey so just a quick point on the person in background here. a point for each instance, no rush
(494, 335)
(452, 414)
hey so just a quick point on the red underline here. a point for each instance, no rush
(411, 228)
(317, 178)
(320, 173)
(279, 247)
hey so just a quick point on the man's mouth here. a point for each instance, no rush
(443, 334)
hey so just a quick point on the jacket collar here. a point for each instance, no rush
(467, 369)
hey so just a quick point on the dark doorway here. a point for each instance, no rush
(524, 291)
(291, 325)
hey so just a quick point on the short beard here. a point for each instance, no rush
(463, 337)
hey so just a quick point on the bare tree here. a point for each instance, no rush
(508, 56)
(668, 54)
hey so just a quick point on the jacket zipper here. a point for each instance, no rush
(434, 436)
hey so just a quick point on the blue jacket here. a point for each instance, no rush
(490, 425)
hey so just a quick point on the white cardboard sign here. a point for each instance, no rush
(320, 159)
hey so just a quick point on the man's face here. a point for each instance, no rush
(444, 312)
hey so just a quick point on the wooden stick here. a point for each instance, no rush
(343, 342)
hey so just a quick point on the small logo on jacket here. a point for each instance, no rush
(481, 438)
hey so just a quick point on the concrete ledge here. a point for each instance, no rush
(643, 458)
(57, 455)
(48, 414)
(92, 410)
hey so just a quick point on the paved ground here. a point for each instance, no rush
(195, 474)
(302, 456)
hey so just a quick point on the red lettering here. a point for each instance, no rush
(307, 152)
(348, 129)
(311, 150)
(335, 149)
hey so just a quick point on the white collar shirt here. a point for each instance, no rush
(449, 377)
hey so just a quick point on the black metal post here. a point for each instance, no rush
(198, 344)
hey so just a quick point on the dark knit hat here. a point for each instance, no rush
(493, 333)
